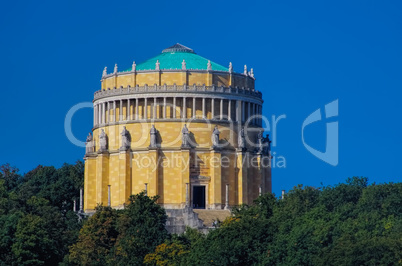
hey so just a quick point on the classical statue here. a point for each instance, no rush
(267, 145)
(89, 143)
(157, 65)
(115, 69)
(183, 65)
(209, 66)
(241, 142)
(260, 142)
(104, 73)
(153, 132)
(215, 138)
(230, 67)
(125, 140)
(185, 142)
(102, 141)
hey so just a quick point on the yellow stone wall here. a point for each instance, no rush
(166, 170)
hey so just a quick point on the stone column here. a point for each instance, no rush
(95, 115)
(145, 108)
(259, 190)
(238, 111)
(213, 108)
(136, 109)
(128, 116)
(229, 109)
(103, 111)
(108, 113)
(243, 113)
(164, 108)
(174, 107)
(221, 110)
(184, 108)
(120, 111)
(99, 114)
(74, 206)
(248, 110)
(203, 108)
(194, 106)
(114, 112)
(154, 111)
(251, 112)
(255, 113)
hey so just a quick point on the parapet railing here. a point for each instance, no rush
(176, 88)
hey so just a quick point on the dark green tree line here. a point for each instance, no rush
(352, 223)
(37, 224)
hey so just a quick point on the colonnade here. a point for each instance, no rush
(145, 108)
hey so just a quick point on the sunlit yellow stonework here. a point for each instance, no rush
(200, 174)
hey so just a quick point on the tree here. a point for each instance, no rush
(10, 175)
(96, 239)
(141, 228)
(166, 254)
(240, 240)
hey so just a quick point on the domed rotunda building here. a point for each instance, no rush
(181, 127)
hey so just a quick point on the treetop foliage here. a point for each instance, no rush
(352, 223)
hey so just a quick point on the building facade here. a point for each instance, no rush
(181, 127)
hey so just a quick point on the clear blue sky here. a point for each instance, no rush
(305, 54)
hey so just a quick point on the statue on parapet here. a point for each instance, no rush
(267, 145)
(241, 142)
(153, 132)
(185, 137)
(103, 141)
(260, 142)
(89, 144)
(125, 140)
(215, 138)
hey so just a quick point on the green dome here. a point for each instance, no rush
(172, 58)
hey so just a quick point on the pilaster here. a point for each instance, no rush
(102, 178)
(90, 183)
(124, 176)
(153, 172)
(216, 180)
(185, 174)
(241, 163)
